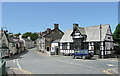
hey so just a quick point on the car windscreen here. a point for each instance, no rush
(81, 51)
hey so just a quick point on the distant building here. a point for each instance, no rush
(10, 44)
(97, 39)
(28, 43)
(4, 43)
(47, 37)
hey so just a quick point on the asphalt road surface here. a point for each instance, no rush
(33, 62)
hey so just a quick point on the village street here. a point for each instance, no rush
(33, 62)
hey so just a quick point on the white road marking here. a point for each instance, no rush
(115, 70)
(110, 65)
(18, 64)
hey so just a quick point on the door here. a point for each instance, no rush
(57, 51)
(47, 48)
(96, 48)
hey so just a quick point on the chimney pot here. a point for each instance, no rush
(56, 26)
(75, 25)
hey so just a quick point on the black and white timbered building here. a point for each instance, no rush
(97, 39)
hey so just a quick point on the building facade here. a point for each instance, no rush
(10, 44)
(97, 39)
(28, 43)
(47, 37)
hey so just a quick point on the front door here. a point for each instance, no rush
(57, 51)
(96, 48)
(47, 48)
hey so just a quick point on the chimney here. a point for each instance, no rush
(48, 30)
(75, 25)
(42, 33)
(56, 26)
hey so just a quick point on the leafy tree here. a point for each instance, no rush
(25, 35)
(33, 36)
(17, 34)
(116, 34)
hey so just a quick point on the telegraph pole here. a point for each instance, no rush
(101, 51)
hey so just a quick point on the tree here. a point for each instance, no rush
(116, 34)
(27, 34)
(33, 36)
(18, 34)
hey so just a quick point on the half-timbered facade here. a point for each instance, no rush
(97, 39)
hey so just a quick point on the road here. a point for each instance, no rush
(37, 63)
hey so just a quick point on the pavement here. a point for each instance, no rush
(33, 62)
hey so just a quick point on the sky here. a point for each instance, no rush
(38, 16)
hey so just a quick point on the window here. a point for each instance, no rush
(85, 45)
(77, 44)
(13, 44)
(109, 38)
(64, 46)
(4, 45)
(3, 41)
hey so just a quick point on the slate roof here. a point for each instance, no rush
(66, 37)
(92, 32)
(82, 30)
(51, 31)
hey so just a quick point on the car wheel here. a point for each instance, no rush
(83, 57)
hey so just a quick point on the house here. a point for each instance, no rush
(19, 44)
(4, 43)
(28, 43)
(47, 37)
(10, 44)
(97, 39)
(15, 45)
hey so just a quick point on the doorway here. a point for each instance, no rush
(97, 48)
(57, 51)
(47, 48)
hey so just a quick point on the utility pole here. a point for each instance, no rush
(101, 51)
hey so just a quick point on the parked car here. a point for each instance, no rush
(82, 54)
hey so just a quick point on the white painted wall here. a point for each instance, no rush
(53, 46)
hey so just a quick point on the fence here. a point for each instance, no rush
(3, 67)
